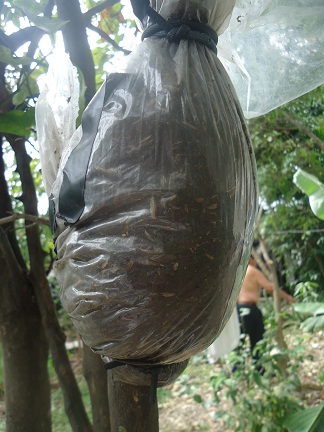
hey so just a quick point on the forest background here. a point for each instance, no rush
(33, 327)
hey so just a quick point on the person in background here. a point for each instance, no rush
(250, 315)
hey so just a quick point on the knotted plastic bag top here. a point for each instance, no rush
(215, 13)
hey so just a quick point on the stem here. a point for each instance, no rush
(131, 409)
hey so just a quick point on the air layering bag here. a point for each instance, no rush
(156, 200)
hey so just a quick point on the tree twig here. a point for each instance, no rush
(98, 8)
(107, 38)
(303, 128)
(31, 218)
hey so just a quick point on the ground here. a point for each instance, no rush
(179, 412)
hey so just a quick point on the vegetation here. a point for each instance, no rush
(33, 327)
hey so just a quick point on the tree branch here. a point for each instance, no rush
(304, 129)
(31, 218)
(107, 38)
(76, 42)
(22, 36)
(98, 8)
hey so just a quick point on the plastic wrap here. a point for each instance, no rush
(227, 341)
(56, 113)
(155, 206)
(273, 51)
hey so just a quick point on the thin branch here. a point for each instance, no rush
(22, 36)
(97, 9)
(107, 38)
(31, 218)
(303, 128)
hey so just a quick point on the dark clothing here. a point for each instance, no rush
(251, 321)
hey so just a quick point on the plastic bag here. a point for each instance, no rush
(227, 341)
(56, 113)
(155, 206)
(273, 51)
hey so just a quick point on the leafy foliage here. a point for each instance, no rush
(285, 139)
(309, 420)
(313, 188)
(261, 398)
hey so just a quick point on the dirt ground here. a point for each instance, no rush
(180, 412)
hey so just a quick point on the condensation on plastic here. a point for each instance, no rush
(273, 51)
(56, 113)
(151, 271)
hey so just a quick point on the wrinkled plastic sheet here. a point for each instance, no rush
(273, 51)
(156, 204)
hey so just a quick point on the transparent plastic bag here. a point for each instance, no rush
(227, 341)
(155, 206)
(56, 113)
(273, 51)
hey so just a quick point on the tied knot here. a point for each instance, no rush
(174, 30)
(178, 33)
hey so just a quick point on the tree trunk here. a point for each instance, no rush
(96, 377)
(56, 338)
(280, 339)
(25, 349)
(25, 354)
(131, 409)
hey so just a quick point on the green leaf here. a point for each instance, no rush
(7, 57)
(320, 132)
(313, 323)
(309, 420)
(257, 379)
(44, 23)
(17, 122)
(313, 188)
(197, 398)
(28, 89)
(313, 308)
(33, 6)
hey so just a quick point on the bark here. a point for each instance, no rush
(25, 354)
(279, 336)
(76, 42)
(96, 377)
(131, 409)
(72, 397)
(25, 349)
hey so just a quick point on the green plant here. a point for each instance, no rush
(314, 313)
(309, 420)
(261, 396)
(306, 291)
(313, 188)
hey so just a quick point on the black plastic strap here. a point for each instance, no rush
(175, 30)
